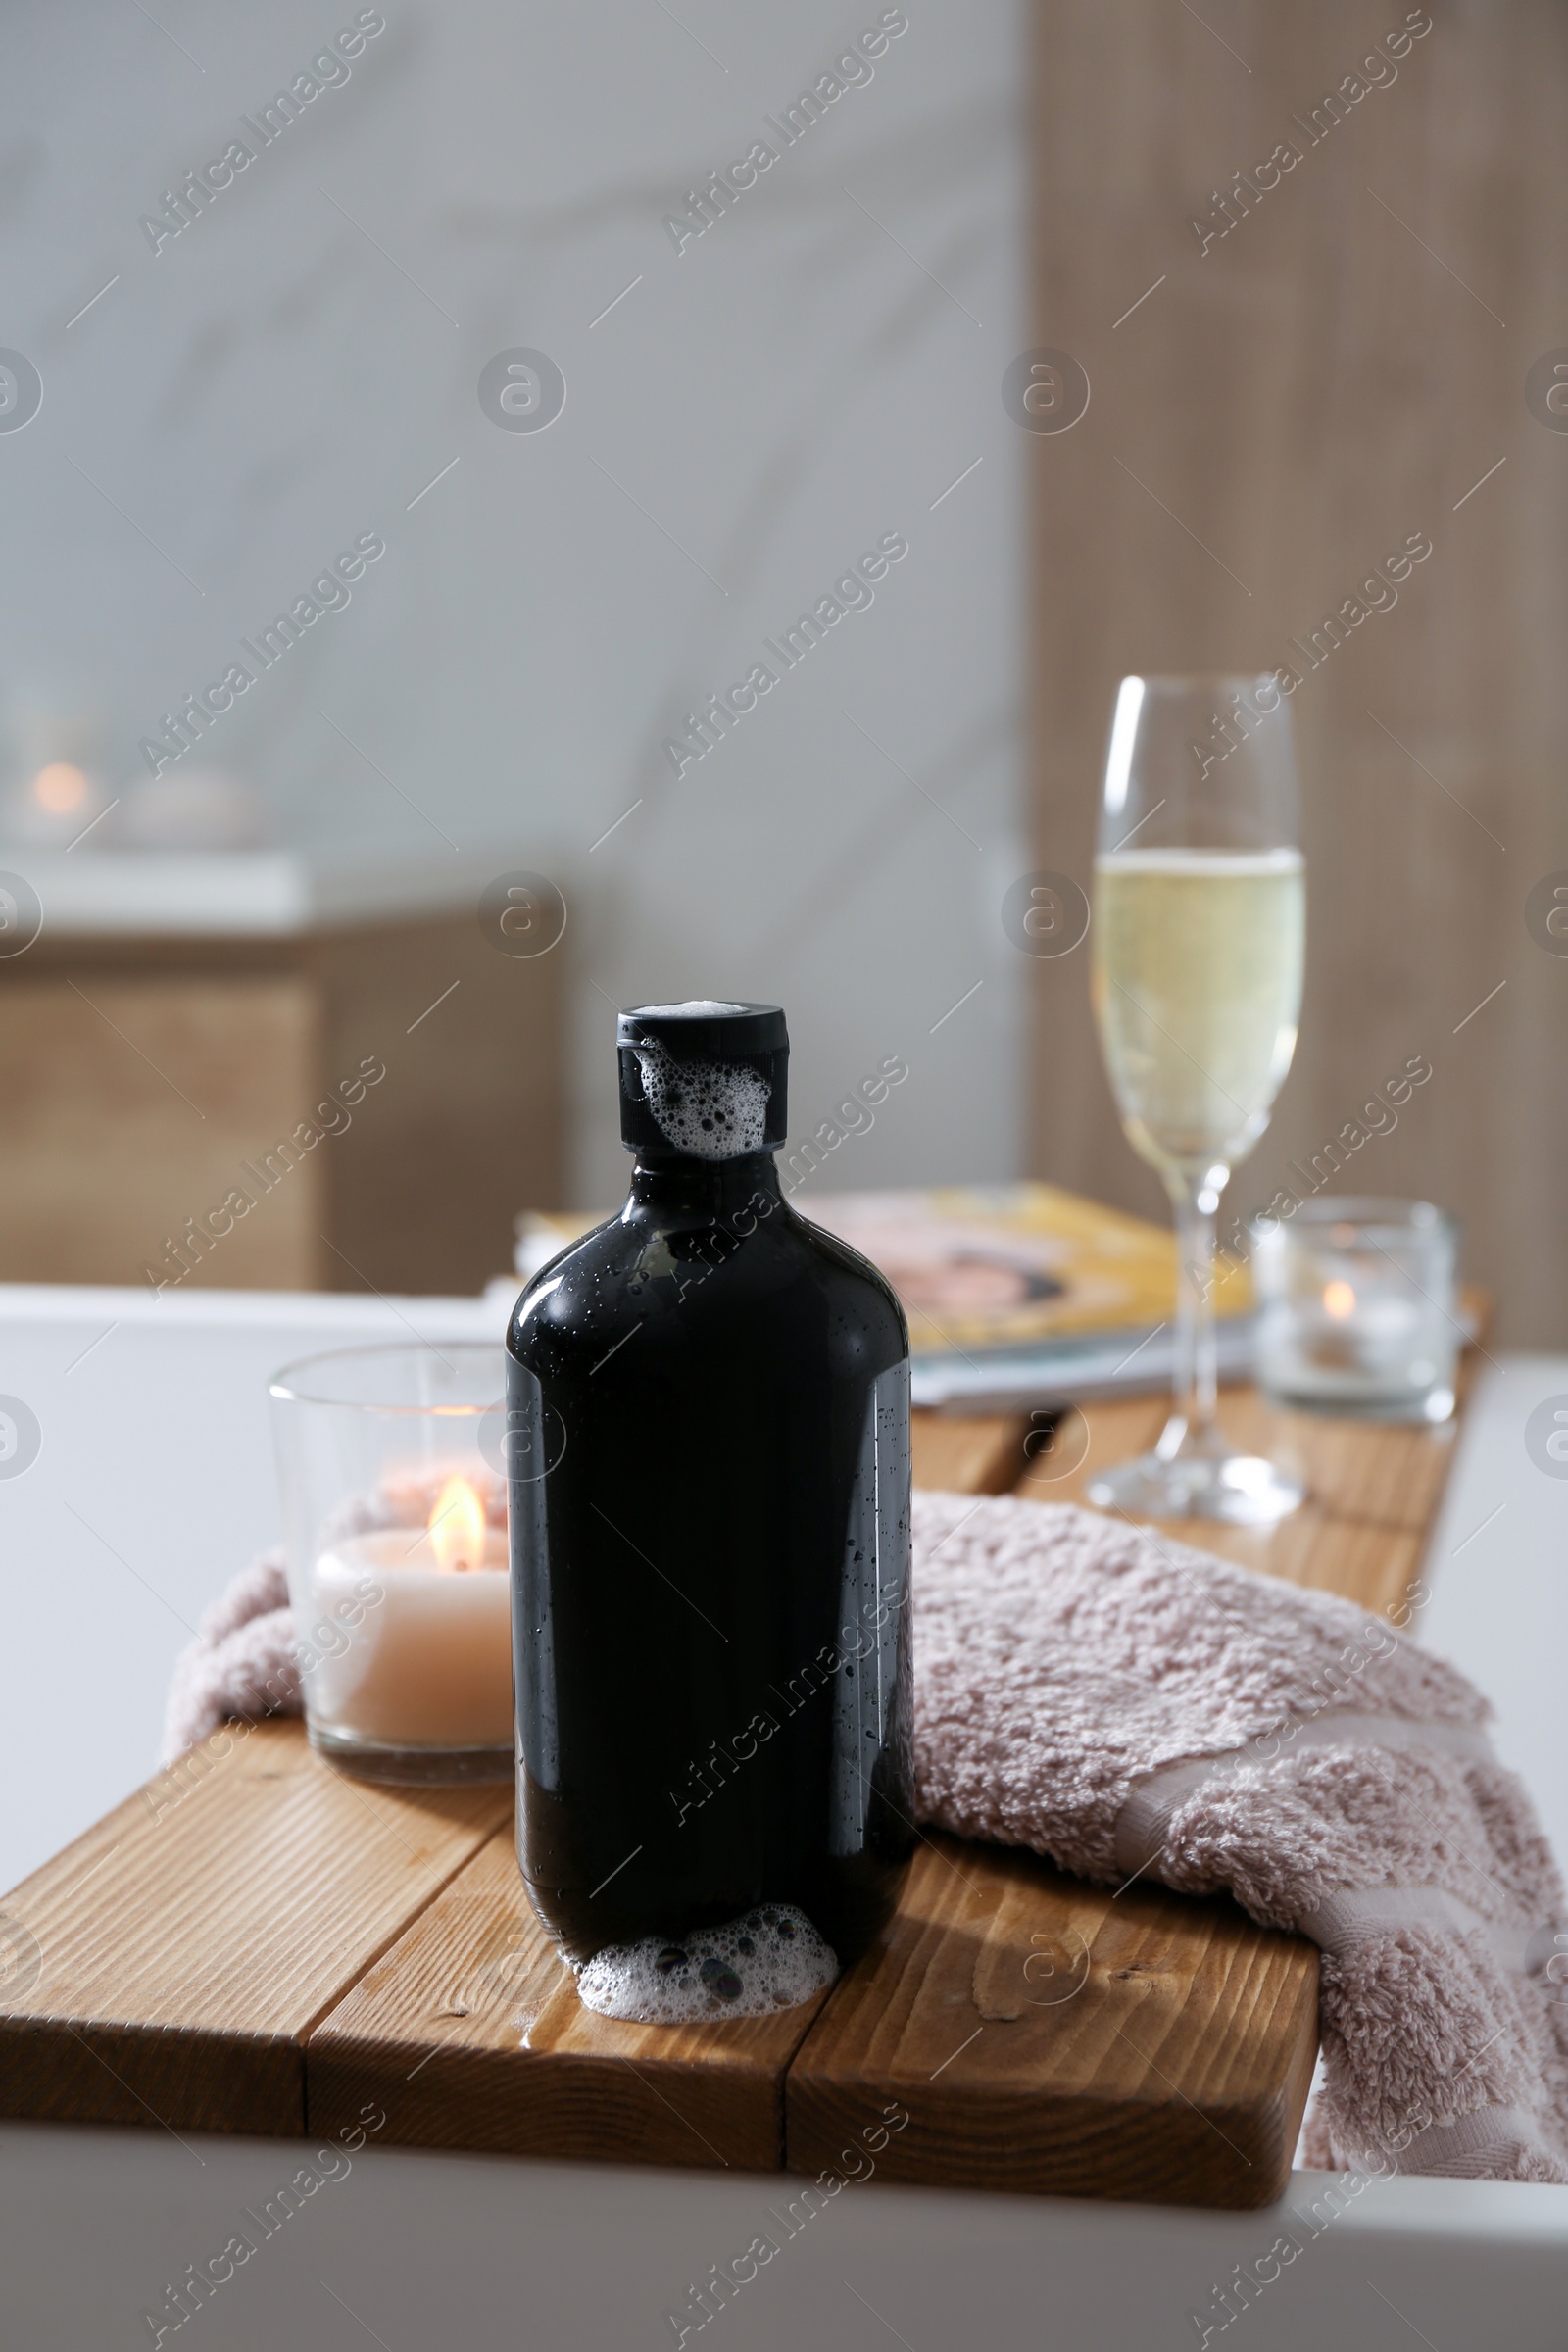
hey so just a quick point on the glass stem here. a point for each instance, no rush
(1191, 1425)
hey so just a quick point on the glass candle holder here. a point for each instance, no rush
(395, 1524)
(1358, 1310)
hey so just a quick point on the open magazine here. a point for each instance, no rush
(1017, 1295)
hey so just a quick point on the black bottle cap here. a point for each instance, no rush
(706, 1080)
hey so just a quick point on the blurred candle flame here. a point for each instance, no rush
(60, 788)
(457, 1527)
(1339, 1300)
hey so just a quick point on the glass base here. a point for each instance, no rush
(411, 1767)
(1240, 1490)
(1411, 1408)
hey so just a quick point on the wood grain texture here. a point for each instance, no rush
(1042, 2035)
(469, 2034)
(141, 1074)
(174, 1958)
(468, 1125)
(1338, 371)
(132, 1102)
(963, 1457)
(1373, 1490)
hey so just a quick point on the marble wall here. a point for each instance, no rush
(747, 410)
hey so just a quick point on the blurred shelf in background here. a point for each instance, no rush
(256, 1070)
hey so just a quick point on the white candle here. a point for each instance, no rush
(429, 1662)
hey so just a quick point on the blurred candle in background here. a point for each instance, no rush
(1358, 1309)
(53, 784)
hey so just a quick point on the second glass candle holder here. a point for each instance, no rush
(1358, 1309)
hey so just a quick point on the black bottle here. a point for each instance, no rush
(709, 1407)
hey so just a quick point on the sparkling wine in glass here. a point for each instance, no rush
(1199, 907)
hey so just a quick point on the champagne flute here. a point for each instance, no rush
(1200, 916)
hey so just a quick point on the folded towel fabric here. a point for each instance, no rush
(241, 1662)
(1128, 1706)
(1124, 1704)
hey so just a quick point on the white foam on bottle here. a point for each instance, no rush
(771, 1959)
(711, 1110)
(695, 1008)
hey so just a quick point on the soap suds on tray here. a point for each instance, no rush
(771, 1959)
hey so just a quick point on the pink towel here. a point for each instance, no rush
(1124, 1704)
(1128, 1706)
(240, 1663)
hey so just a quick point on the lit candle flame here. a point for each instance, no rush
(60, 788)
(458, 1527)
(1339, 1300)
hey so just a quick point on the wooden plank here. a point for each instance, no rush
(1373, 1488)
(968, 1457)
(469, 2034)
(1088, 1441)
(1042, 2035)
(1376, 1475)
(178, 1952)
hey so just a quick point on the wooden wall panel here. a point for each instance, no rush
(138, 1075)
(130, 1105)
(1292, 402)
(468, 1128)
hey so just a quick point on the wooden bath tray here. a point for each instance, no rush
(253, 1943)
